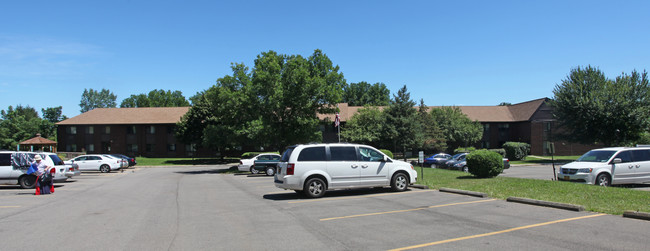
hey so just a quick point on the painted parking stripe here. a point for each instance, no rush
(497, 232)
(356, 197)
(405, 210)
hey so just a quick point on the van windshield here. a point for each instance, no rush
(596, 156)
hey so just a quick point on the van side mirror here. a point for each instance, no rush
(386, 159)
(617, 160)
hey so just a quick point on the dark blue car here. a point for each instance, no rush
(436, 160)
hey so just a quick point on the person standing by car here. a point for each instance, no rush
(44, 185)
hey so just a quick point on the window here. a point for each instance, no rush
(132, 147)
(264, 157)
(107, 130)
(130, 130)
(73, 130)
(71, 148)
(171, 147)
(312, 154)
(171, 129)
(5, 159)
(344, 153)
(486, 128)
(91, 147)
(625, 156)
(190, 147)
(151, 129)
(368, 154)
(90, 130)
(641, 155)
(149, 147)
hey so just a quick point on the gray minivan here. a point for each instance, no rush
(609, 166)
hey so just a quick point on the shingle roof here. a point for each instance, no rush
(116, 116)
(38, 140)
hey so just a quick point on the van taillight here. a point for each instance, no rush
(290, 168)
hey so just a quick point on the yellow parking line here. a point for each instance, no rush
(497, 232)
(405, 210)
(356, 197)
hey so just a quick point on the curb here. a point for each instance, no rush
(637, 215)
(565, 206)
(419, 186)
(470, 193)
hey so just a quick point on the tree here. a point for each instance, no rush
(20, 124)
(433, 138)
(362, 93)
(365, 127)
(53, 114)
(592, 108)
(156, 98)
(402, 128)
(457, 128)
(92, 99)
(505, 104)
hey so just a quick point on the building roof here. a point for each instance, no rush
(38, 140)
(117, 116)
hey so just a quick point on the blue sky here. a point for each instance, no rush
(445, 52)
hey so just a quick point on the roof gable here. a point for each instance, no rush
(141, 115)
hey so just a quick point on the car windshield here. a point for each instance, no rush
(457, 156)
(596, 156)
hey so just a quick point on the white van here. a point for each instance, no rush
(316, 168)
(14, 165)
(609, 166)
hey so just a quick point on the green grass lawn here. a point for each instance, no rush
(531, 159)
(611, 200)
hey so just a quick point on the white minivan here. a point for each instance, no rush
(14, 165)
(316, 168)
(609, 166)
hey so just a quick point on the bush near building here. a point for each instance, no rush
(484, 163)
(516, 150)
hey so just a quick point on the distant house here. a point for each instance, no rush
(150, 131)
(530, 122)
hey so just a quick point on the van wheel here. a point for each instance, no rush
(315, 188)
(603, 180)
(270, 171)
(105, 169)
(399, 183)
(254, 171)
(27, 181)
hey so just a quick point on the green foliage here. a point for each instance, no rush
(457, 128)
(365, 127)
(248, 155)
(516, 150)
(362, 94)
(593, 108)
(402, 129)
(484, 163)
(23, 123)
(91, 99)
(156, 98)
(464, 150)
(432, 137)
(499, 151)
(387, 152)
(53, 114)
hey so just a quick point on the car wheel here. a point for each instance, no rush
(270, 171)
(315, 188)
(603, 179)
(466, 169)
(105, 168)
(399, 182)
(434, 166)
(254, 171)
(27, 181)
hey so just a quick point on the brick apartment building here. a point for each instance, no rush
(150, 131)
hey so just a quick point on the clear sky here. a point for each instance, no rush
(445, 52)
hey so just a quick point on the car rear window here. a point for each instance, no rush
(287, 154)
(312, 154)
(5, 159)
(57, 161)
(343, 153)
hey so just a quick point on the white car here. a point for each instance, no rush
(609, 166)
(246, 165)
(316, 168)
(123, 162)
(14, 165)
(96, 162)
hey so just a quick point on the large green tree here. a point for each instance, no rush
(365, 127)
(54, 114)
(458, 129)
(595, 109)
(433, 138)
(22, 123)
(156, 98)
(402, 129)
(363, 93)
(91, 99)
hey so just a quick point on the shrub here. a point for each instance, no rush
(387, 152)
(248, 155)
(484, 163)
(516, 150)
(464, 150)
(499, 151)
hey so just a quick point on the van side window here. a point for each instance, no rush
(625, 156)
(312, 154)
(368, 154)
(641, 155)
(343, 153)
(5, 159)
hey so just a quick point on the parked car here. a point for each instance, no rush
(96, 162)
(267, 166)
(609, 166)
(14, 165)
(123, 162)
(313, 169)
(131, 160)
(436, 160)
(453, 160)
(247, 164)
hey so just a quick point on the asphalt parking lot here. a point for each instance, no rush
(181, 208)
